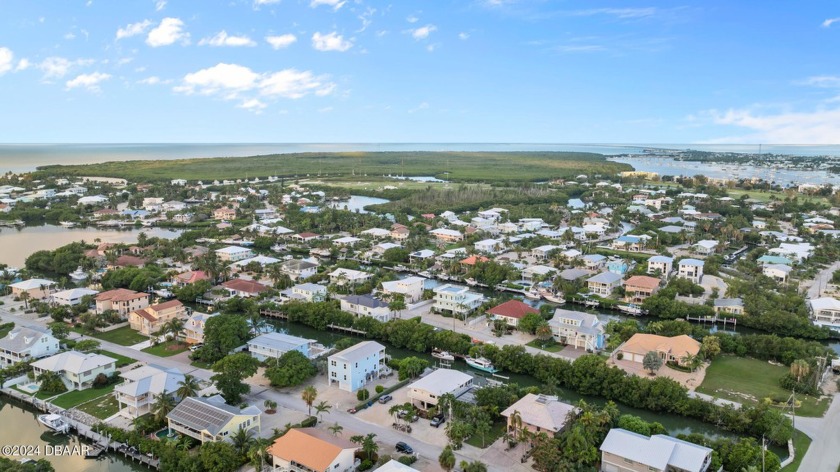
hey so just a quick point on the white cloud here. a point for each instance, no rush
(160, 5)
(223, 39)
(463, 36)
(88, 81)
(281, 41)
(422, 32)
(365, 18)
(23, 64)
(153, 80)
(830, 21)
(822, 81)
(70, 36)
(412, 19)
(57, 67)
(236, 82)
(821, 126)
(257, 3)
(422, 106)
(133, 29)
(167, 32)
(253, 105)
(330, 42)
(335, 4)
(622, 13)
(7, 58)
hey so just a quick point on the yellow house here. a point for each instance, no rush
(77, 370)
(150, 319)
(211, 419)
(35, 289)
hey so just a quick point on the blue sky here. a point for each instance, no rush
(420, 71)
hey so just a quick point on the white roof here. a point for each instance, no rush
(346, 240)
(74, 293)
(658, 451)
(825, 303)
(395, 466)
(232, 250)
(543, 411)
(150, 379)
(261, 260)
(442, 381)
(445, 232)
(74, 362)
(279, 341)
(359, 351)
(376, 232)
(707, 243)
(32, 283)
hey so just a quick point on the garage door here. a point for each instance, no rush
(638, 358)
(606, 467)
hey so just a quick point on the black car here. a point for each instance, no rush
(385, 399)
(438, 420)
(404, 448)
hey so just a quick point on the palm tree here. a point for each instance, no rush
(188, 387)
(322, 407)
(516, 422)
(799, 368)
(309, 395)
(242, 440)
(336, 429)
(395, 412)
(270, 406)
(258, 453)
(173, 327)
(162, 406)
(25, 297)
(368, 444)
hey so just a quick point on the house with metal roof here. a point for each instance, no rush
(306, 292)
(313, 450)
(137, 393)
(274, 345)
(731, 306)
(537, 414)
(577, 329)
(825, 311)
(77, 370)
(211, 419)
(626, 451)
(365, 305)
(357, 365)
(33, 288)
(411, 288)
(604, 283)
(194, 327)
(71, 297)
(22, 344)
(661, 265)
(426, 391)
(691, 269)
(299, 269)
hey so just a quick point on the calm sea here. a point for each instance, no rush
(26, 157)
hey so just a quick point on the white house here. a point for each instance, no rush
(662, 264)
(22, 344)
(426, 392)
(349, 276)
(356, 366)
(490, 246)
(71, 297)
(411, 288)
(312, 450)
(307, 292)
(777, 272)
(365, 305)
(234, 253)
(194, 327)
(211, 419)
(542, 252)
(298, 269)
(691, 269)
(274, 345)
(137, 393)
(604, 283)
(456, 300)
(705, 247)
(825, 311)
(626, 451)
(594, 261)
(577, 329)
(77, 370)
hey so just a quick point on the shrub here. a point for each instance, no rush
(365, 465)
(309, 422)
(407, 460)
(379, 389)
(362, 394)
(619, 356)
(101, 380)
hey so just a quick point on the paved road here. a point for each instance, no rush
(821, 280)
(824, 453)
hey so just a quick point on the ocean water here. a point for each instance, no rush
(26, 157)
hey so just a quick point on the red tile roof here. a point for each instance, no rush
(120, 295)
(643, 281)
(472, 260)
(512, 309)
(242, 285)
(192, 277)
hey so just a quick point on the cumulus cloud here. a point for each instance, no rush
(7, 58)
(822, 81)
(257, 3)
(330, 42)
(412, 19)
(463, 36)
(236, 82)
(821, 126)
(133, 29)
(223, 39)
(23, 64)
(88, 81)
(335, 4)
(422, 32)
(281, 41)
(152, 80)
(57, 67)
(830, 21)
(169, 31)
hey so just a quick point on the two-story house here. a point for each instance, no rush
(365, 305)
(308, 292)
(77, 370)
(661, 265)
(456, 300)
(356, 366)
(426, 392)
(234, 253)
(349, 277)
(691, 269)
(211, 419)
(136, 395)
(604, 283)
(194, 327)
(121, 300)
(580, 330)
(639, 287)
(411, 288)
(22, 344)
(825, 311)
(312, 450)
(34, 289)
(298, 269)
(626, 451)
(274, 345)
(152, 318)
(537, 414)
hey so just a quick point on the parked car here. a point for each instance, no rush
(385, 399)
(404, 413)
(196, 347)
(438, 420)
(404, 448)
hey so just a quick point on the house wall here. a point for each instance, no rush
(614, 463)
(262, 353)
(45, 346)
(122, 307)
(351, 377)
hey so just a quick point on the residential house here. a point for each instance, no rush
(23, 344)
(579, 330)
(573, 274)
(691, 269)
(447, 235)
(347, 241)
(490, 246)
(298, 269)
(35, 289)
(190, 277)
(151, 319)
(307, 292)
(121, 300)
(669, 349)
(456, 300)
(511, 312)
(211, 419)
(306, 237)
(356, 366)
(244, 288)
(420, 255)
(426, 392)
(312, 450)
(538, 414)
(395, 466)
(234, 253)
(71, 297)
(349, 277)
(777, 272)
(825, 311)
(661, 265)
(626, 451)
(729, 306)
(194, 327)
(604, 283)
(543, 252)
(224, 214)
(136, 395)
(628, 243)
(594, 261)
(274, 345)
(376, 233)
(399, 232)
(705, 247)
(639, 287)
(77, 370)
(365, 305)
(411, 288)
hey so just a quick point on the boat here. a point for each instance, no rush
(79, 275)
(442, 355)
(67, 224)
(592, 303)
(481, 363)
(471, 282)
(552, 297)
(631, 309)
(54, 422)
(532, 294)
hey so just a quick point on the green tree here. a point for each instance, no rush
(474, 466)
(258, 453)
(50, 382)
(397, 303)
(446, 459)
(710, 347)
(221, 335)
(652, 362)
(162, 406)
(799, 369)
(321, 408)
(368, 445)
(544, 333)
(289, 370)
(336, 429)
(87, 345)
(218, 456)
(230, 373)
(242, 440)
(411, 367)
(59, 330)
(309, 395)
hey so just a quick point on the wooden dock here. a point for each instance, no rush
(274, 314)
(345, 329)
(713, 320)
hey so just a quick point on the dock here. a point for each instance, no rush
(713, 320)
(345, 329)
(274, 314)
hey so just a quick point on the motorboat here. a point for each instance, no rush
(54, 422)
(631, 309)
(552, 297)
(79, 275)
(67, 224)
(442, 355)
(532, 294)
(481, 363)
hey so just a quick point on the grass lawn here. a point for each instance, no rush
(102, 407)
(77, 397)
(749, 381)
(550, 346)
(5, 331)
(801, 443)
(497, 431)
(124, 336)
(168, 348)
(122, 361)
(201, 364)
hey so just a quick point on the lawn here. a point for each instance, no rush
(750, 381)
(5, 331)
(201, 365)
(168, 348)
(122, 361)
(497, 431)
(77, 397)
(124, 336)
(102, 407)
(801, 443)
(550, 346)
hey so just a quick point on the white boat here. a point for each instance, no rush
(631, 309)
(54, 422)
(532, 294)
(78, 275)
(555, 299)
(471, 282)
(442, 355)
(481, 363)
(67, 224)
(593, 303)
